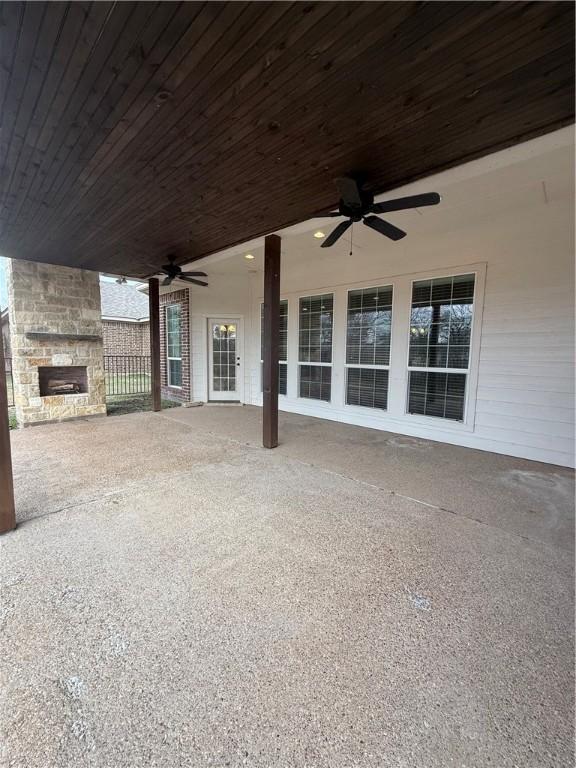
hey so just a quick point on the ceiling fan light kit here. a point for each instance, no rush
(356, 204)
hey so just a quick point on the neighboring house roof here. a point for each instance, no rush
(123, 302)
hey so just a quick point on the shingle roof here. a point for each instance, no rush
(120, 300)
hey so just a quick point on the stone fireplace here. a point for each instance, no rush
(56, 339)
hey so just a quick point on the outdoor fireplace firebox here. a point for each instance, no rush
(62, 380)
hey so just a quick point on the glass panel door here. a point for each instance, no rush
(224, 360)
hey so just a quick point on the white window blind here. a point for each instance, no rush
(439, 353)
(315, 322)
(282, 347)
(369, 322)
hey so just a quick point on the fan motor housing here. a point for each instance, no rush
(357, 213)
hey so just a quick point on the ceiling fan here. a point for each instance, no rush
(357, 204)
(173, 272)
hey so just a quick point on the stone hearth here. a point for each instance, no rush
(56, 336)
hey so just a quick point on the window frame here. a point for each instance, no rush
(173, 305)
(471, 371)
(395, 418)
(280, 361)
(299, 363)
(372, 366)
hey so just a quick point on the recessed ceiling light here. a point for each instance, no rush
(319, 235)
(248, 256)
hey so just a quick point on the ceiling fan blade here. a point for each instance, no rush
(325, 215)
(403, 203)
(191, 280)
(349, 191)
(167, 280)
(194, 274)
(384, 227)
(157, 270)
(336, 233)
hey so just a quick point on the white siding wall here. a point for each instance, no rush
(227, 296)
(523, 404)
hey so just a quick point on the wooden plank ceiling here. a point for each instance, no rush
(134, 130)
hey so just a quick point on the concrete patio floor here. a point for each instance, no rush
(176, 595)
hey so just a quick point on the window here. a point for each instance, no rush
(315, 346)
(173, 344)
(282, 346)
(368, 346)
(439, 354)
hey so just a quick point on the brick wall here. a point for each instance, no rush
(121, 338)
(177, 297)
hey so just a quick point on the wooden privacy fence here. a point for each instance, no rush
(127, 374)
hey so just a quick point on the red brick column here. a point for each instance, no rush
(181, 297)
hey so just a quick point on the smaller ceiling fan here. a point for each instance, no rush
(173, 272)
(356, 203)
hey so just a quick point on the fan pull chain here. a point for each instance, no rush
(351, 236)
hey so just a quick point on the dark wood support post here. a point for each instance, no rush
(154, 306)
(271, 340)
(7, 506)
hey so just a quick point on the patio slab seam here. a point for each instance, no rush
(367, 484)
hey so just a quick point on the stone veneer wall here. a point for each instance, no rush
(174, 393)
(52, 299)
